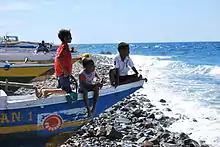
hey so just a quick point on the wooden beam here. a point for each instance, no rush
(15, 84)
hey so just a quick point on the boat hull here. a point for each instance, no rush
(24, 73)
(39, 58)
(49, 120)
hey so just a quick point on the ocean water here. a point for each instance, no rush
(186, 75)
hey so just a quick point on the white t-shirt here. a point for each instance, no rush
(123, 66)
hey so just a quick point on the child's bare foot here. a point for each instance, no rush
(93, 110)
(89, 114)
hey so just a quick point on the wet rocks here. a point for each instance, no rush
(112, 133)
(162, 101)
(147, 144)
(134, 126)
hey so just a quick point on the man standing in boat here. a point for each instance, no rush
(42, 47)
(62, 66)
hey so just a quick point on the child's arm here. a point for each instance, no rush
(117, 65)
(135, 70)
(131, 64)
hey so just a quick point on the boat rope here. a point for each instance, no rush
(72, 97)
(74, 82)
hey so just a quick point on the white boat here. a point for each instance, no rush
(12, 43)
(21, 56)
(33, 57)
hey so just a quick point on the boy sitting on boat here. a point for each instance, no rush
(122, 62)
(62, 65)
(86, 83)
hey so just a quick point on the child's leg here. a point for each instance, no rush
(38, 92)
(128, 79)
(64, 83)
(43, 92)
(47, 92)
(96, 96)
(85, 97)
(112, 76)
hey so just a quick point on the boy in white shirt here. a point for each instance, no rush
(119, 75)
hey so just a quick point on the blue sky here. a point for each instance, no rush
(112, 21)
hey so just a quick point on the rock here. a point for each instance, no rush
(123, 120)
(194, 120)
(149, 105)
(147, 144)
(154, 140)
(125, 109)
(141, 140)
(147, 124)
(127, 137)
(100, 131)
(151, 116)
(158, 116)
(170, 145)
(91, 132)
(171, 140)
(165, 135)
(139, 135)
(81, 132)
(167, 109)
(203, 143)
(138, 112)
(150, 131)
(141, 119)
(69, 141)
(146, 100)
(182, 136)
(113, 134)
(162, 101)
(191, 143)
(85, 135)
(119, 144)
(102, 138)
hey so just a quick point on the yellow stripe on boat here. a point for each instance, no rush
(24, 71)
(34, 127)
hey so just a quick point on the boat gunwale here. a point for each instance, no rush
(62, 98)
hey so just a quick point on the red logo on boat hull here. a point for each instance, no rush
(52, 123)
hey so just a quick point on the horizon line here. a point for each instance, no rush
(152, 42)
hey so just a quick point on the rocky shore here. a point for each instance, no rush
(133, 122)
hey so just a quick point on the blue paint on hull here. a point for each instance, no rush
(103, 103)
(19, 46)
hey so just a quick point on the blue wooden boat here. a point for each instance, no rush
(27, 117)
